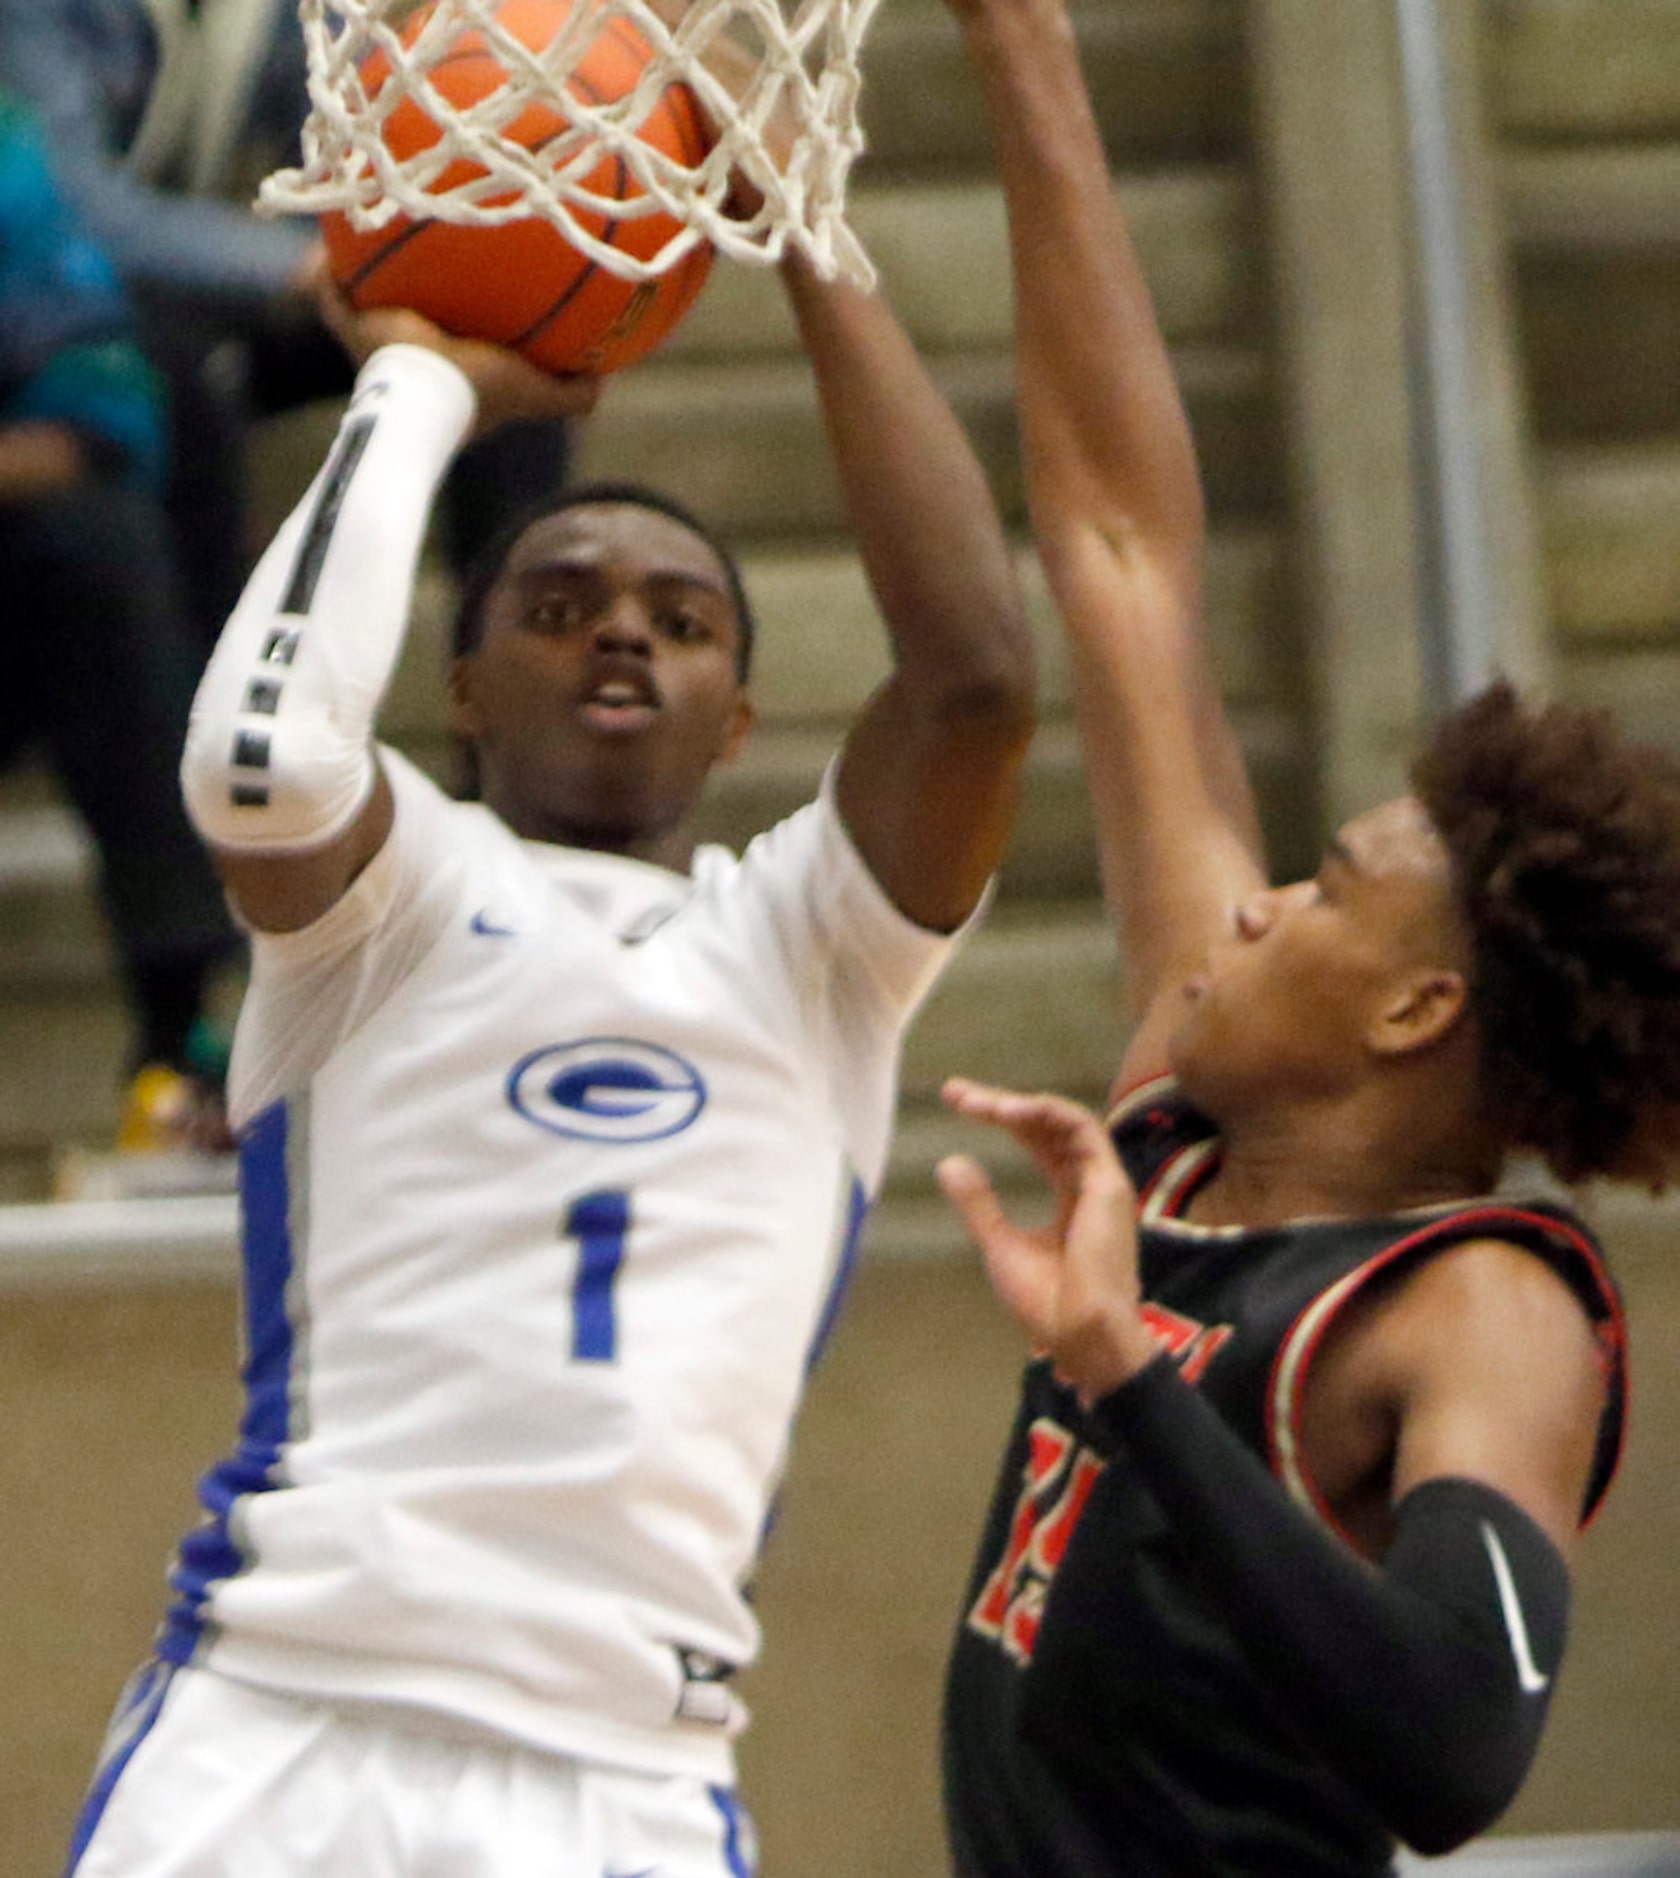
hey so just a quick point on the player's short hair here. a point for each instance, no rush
(486, 567)
(1565, 847)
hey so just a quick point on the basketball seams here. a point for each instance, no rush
(413, 230)
(617, 326)
(681, 105)
(353, 283)
(579, 281)
(583, 83)
(690, 123)
(471, 48)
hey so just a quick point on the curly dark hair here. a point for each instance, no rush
(1565, 846)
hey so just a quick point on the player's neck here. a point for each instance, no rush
(673, 850)
(1348, 1160)
(671, 846)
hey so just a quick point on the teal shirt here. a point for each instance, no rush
(68, 352)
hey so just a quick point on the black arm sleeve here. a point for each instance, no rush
(1424, 1683)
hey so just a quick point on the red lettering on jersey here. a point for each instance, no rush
(1207, 1346)
(1190, 1344)
(1020, 1631)
(1055, 1484)
(1050, 1541)
(1048, 1446)
(1056, 1481)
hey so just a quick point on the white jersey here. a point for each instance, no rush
(553, 1165)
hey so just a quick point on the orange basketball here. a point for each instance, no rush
(521, 283)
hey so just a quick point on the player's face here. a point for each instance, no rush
(604, 688)
(1290, 1001)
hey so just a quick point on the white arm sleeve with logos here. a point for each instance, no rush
(279, 755)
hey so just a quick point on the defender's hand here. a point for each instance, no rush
(1073, 1284)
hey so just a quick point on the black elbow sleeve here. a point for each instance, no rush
(1490, 1594)
(1423, 1683)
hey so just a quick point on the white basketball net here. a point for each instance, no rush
(786, 123)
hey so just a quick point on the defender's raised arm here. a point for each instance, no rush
(1117, 509)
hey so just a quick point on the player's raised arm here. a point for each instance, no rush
(931, 770)
(1117, 507)
(280, 772)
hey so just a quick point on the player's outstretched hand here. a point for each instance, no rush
(508, 387)
(1072, 1284)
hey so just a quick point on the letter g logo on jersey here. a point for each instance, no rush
(607, 1089)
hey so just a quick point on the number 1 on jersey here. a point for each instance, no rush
(599, 1222)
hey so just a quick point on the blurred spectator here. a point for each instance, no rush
(124, 93)
(94, 664)
(113, 83)
(156, 110)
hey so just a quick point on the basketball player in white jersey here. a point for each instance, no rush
(558, 1136)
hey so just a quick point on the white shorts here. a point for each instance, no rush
(206, 1778)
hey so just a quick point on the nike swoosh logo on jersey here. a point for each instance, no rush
(482, 924)
(1529, 1677)
(638, 933)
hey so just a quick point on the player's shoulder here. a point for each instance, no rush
(1497, 1244)
(1511, 1296)
(1495, 1290)
(810, 873)
(1480, 1262)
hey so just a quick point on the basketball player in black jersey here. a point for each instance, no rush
(1276, 1574)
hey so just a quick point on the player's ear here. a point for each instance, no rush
(1421, 1007)
(743, 714)
(465, 718)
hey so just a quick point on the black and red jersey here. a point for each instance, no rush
(1102, 1719)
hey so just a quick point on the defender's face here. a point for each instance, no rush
(1289, 998)
(604, 687)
